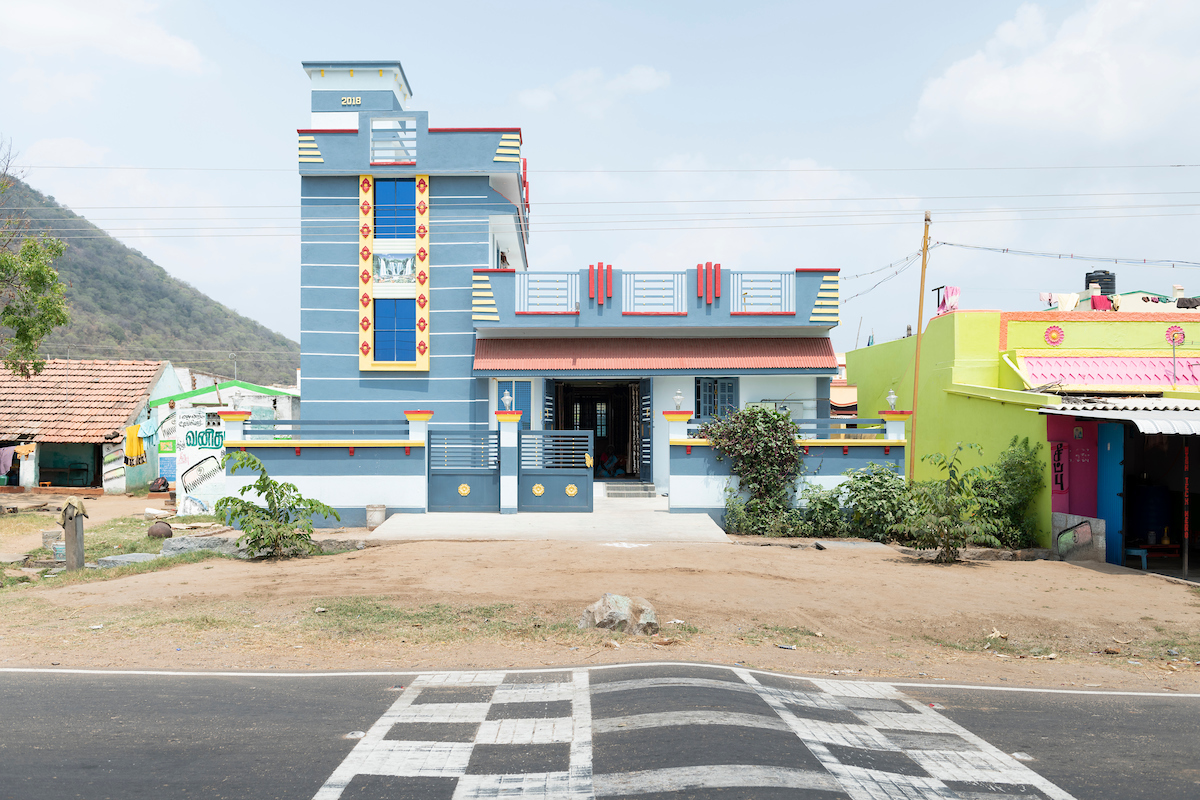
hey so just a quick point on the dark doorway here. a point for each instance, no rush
(611, 410)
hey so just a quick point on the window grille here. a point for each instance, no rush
(394, 141)
(715, 397)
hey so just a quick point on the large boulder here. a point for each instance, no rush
(619, 613)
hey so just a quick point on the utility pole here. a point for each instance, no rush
(912, 422)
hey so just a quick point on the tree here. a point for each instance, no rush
(33, 300)
(950, 513)
(284, 526)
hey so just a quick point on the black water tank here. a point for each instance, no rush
(1106, 279)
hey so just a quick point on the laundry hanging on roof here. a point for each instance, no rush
(1101, 303)
(1067, 302)
(949, 300)
(135, 448)
(1046, 297)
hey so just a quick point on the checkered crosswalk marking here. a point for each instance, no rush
(532, 734)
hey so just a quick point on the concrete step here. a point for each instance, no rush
(617, 490)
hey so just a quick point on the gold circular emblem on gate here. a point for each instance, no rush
(538, 490)
(572, 490)
(464, 489)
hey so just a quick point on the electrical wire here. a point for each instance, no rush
(1141, 262)
(775, 170)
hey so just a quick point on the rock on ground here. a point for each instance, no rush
(191, 544)
(125, 559)
(619, 613)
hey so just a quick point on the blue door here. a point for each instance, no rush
(1110, 485)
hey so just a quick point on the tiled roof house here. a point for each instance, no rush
(77, 413)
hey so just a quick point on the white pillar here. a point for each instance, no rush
(29, 471)
(893, 424)
(677, 424)
(235, 424)
(418, 426)
(510, 423)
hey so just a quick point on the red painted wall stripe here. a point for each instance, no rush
(708, 276)
(600, 282)
(591, 281)
(717, 280)
(699, 280)
(610, 280)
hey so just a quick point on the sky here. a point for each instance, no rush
(658, 135)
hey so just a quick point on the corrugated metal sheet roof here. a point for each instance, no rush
(1150, 415)
(648, 355)
(74, 401)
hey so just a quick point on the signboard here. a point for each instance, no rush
(198, 452)
(1060, 457)
(166, 445)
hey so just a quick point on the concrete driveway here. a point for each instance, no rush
(612, 520)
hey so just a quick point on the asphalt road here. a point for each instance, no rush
(646, 731)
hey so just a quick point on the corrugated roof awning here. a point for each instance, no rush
(1182, 421)
(648, 356)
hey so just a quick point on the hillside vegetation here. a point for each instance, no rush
(123, 305)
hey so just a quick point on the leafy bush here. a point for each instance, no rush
(949, 512)
(285, 526)
(762, 450)
(879, 499)
(823, 515)
(1017, 478)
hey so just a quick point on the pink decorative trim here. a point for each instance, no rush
(1054, 336)
(326, 130)
(1175, 335)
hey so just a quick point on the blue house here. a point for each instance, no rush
(442, 371)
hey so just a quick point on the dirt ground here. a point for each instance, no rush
(449, 605)
(25, 534)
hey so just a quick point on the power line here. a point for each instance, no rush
(1141, 262)
(725, 170)
(483, 230)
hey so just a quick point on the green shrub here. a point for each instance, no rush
(285, 526)
(949, 512)
(1016, 479)
(878, 500)
(762, 450)
(823, 515)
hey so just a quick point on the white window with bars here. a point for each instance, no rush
(763, 292)
(394, 141)
(547, 292)
(653, 293)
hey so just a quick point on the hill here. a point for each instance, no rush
(173, 320)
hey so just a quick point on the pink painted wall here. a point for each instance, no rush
(1080, 497)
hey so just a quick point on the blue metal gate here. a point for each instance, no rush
(464, 471)
(555, 471)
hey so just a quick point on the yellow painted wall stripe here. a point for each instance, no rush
(516, 136)
(308, 138)
(828, 303)
(482, 294)
(312, 160)
(485, 317)
(506, 158)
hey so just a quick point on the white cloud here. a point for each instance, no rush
(46, 90)
(592, 93)
(1115, 72)
(64, 151)
(116, 28)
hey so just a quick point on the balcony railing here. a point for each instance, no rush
(547, 293)
(654, 293)
(763, 292)
(320, 429)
